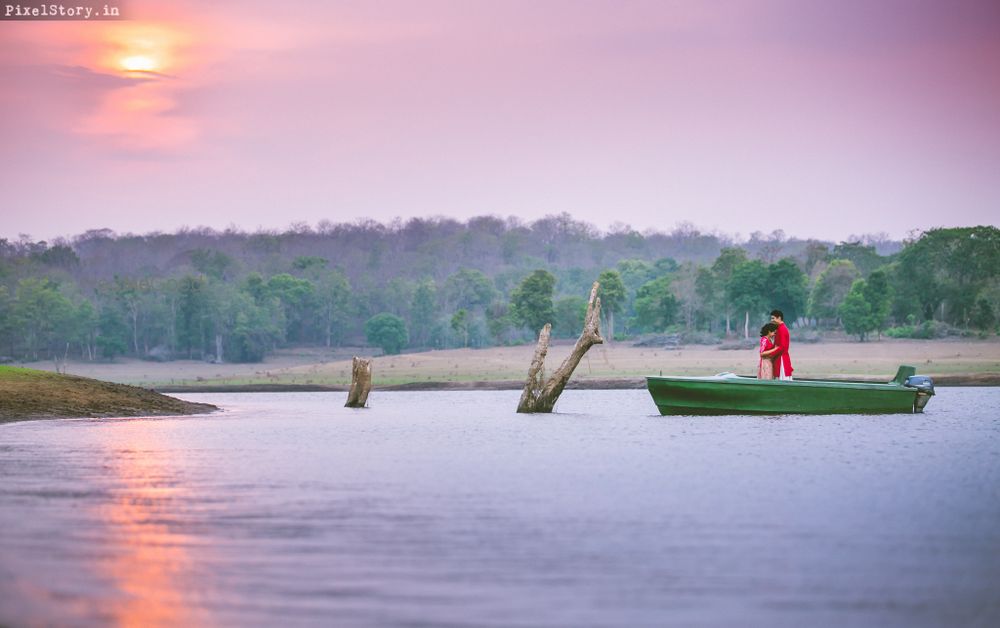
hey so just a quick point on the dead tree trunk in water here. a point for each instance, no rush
(542, 397)
(361, 382)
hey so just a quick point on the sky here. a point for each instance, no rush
(822, 119)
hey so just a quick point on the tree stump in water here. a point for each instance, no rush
(361, 383)
(542, 397)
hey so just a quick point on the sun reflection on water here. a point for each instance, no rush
(151, 559)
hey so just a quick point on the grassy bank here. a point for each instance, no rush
(32, 394)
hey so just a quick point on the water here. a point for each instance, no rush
(447, 508)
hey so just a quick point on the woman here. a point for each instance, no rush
(765, 370)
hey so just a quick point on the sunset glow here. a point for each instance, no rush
(663, 113)
(144, 47)
(150, 560)
(218, 217)
(153, 64)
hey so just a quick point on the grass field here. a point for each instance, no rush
(878, 359)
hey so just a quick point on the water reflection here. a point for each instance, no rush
(151, 559)
(449, 509)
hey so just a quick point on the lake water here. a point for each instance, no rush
(448, 509)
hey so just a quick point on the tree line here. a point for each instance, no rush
(437, 283)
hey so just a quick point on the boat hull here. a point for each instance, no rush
(746, 395)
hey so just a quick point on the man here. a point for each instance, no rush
(782, 339)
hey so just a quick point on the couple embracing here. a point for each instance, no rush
(775, 362)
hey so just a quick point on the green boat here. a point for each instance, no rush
(727, 393)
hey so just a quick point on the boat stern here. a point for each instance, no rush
(924, 387)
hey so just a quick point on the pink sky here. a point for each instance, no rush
(820, 118)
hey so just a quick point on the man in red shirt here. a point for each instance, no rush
(782, 340)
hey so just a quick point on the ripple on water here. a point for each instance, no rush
(448, 508)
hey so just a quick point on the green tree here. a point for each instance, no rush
(665, 266)
(134, 296)
(499, 322)
(333, 297)
(723, 266)
(213, 263)
(297, 297)
(569, 313)
(8, 321)
(612, 294)
(112, 332)
(863, 256)
(747, 288)
(460, 325)
(85, 328)
(156, 329)
(531, 301)
(387, 331)
(249, 329)
(310, 265)
(221, 300)
(423, 311)
(395, 297)
(192, 314)
(815, 253)
(856, 313)
(43, 314)
(831, 289)
(786, 289)
(634, 273)
(684, 286)
(256, 287)
(707, 294)
(59, 256)
(942, 273)
(983, 317)
(878, 294)
(655, 305)
(469, 289)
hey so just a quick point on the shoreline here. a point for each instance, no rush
(29, 395)
(953, 362)
(181, 407)
(194, 409)
(617, 383)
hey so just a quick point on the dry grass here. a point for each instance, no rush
(873, 359)
(319, 367)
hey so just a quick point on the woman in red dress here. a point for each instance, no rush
(765, 370)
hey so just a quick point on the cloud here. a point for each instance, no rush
(126, 112)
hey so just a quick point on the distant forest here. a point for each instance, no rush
(442, 283)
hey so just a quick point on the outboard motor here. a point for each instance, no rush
(925, 390)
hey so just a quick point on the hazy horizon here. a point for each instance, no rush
(823, 120)
(324, 226)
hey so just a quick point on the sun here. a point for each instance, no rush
(155, 50)
(139, 63)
